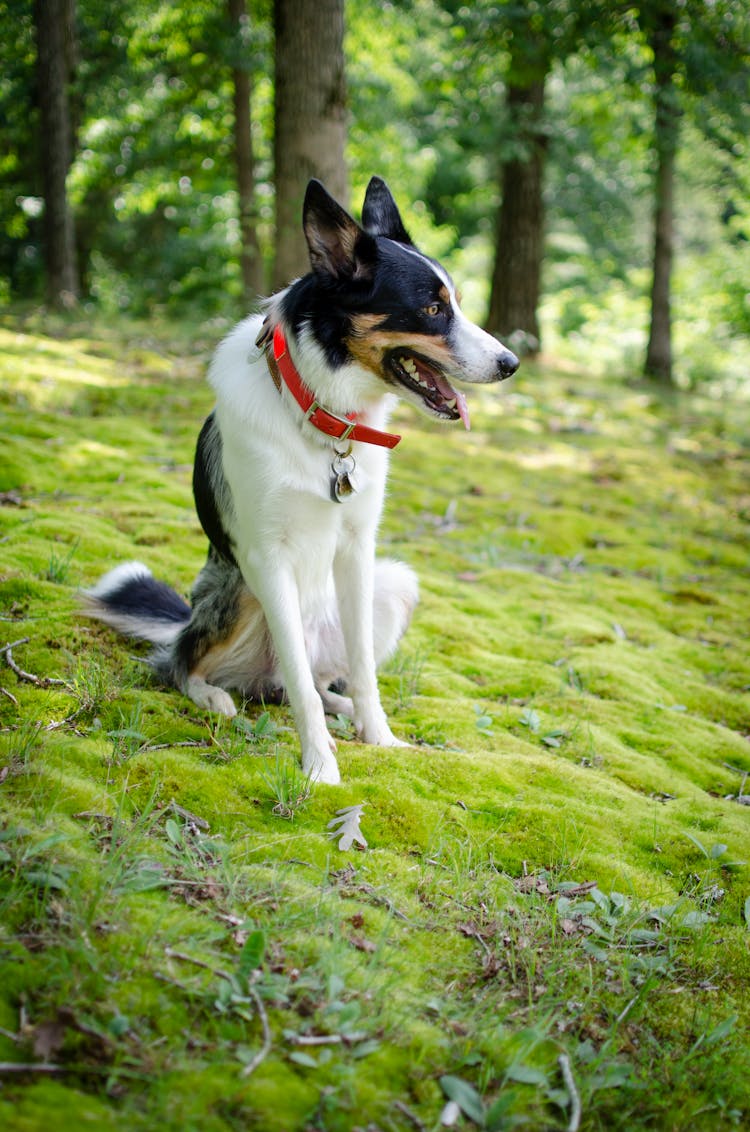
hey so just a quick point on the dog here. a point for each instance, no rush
(289, 481)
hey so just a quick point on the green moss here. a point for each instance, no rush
(575, 684)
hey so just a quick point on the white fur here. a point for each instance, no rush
(477, 353)
(301, 555)
(114, 579)
(93, 601)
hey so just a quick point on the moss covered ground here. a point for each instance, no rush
(549, 926)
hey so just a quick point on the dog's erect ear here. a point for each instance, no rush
(337, 244)
(380, 214)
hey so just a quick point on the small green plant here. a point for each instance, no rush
(408, 668)
(262, 730)
(483, 721)
(531, 719)
(58, 568)
(290, 788)
(91, 685)
(128, 739)
(18, 745)
(705, 887)
(341, 726)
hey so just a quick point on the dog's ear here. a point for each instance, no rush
(380, 214)
(337, 244)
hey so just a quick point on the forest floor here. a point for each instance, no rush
(549, 926)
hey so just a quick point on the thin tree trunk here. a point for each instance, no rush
(519, 244)
(52, 19)
(658, 363)
(310, 118)
(251, 262)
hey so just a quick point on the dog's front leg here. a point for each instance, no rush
(354, 568)
(275, 587)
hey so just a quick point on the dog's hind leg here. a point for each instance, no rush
(192, 663)
(333, 702)
(370, 595)
(396, 593)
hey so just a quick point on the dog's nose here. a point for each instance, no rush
(507, 364)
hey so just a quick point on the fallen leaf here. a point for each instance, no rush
(348, 831)
(363, 944)
(48, 1039)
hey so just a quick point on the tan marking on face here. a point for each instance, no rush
(368, 345)
(444, 295)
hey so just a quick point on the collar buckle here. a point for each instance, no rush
(318, 415)
(348, 425)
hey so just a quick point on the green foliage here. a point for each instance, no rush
(153, 180)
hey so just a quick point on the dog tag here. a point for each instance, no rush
(341, 487)
(343, 469)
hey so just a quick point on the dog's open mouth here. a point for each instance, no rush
(427, 380)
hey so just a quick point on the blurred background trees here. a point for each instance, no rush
(582, 167)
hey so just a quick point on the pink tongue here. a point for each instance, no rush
(448, 392)
(463, 409)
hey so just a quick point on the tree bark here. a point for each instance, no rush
(658, 364)
(251, 262)
(310, 118)
(519, 242)
(52, 19)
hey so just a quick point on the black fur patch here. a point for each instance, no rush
(208, 482)
(144, 596)
(215, 604)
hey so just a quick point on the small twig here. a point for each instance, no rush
(172, 954)
(9, 1034)
(174, 983)
(196, 743)
(265, 1049)
(329, 1039)
(570, 1085)
(410, 1115)
(37, 1067)
(55, 724)
(175, 807)
(624, 1013)
(10, 695)
(29, 677)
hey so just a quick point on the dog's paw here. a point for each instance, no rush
(324, 770)
(380, 737)
(210, 697)
(376, 733)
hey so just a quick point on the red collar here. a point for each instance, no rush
(342, 428)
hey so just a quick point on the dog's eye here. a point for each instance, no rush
(433, 310)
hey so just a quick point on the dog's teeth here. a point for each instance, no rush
(409, 366)
(452, 403)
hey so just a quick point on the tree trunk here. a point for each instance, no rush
(251, 262)
(52, 19)
(658, 363)
(516, 277)
(310, 118)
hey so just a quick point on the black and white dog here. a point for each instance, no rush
(289, 481)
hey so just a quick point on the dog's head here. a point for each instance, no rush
(390, 308)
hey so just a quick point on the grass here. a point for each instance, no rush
(549, 925)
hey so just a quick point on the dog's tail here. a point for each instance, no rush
(135, 603)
